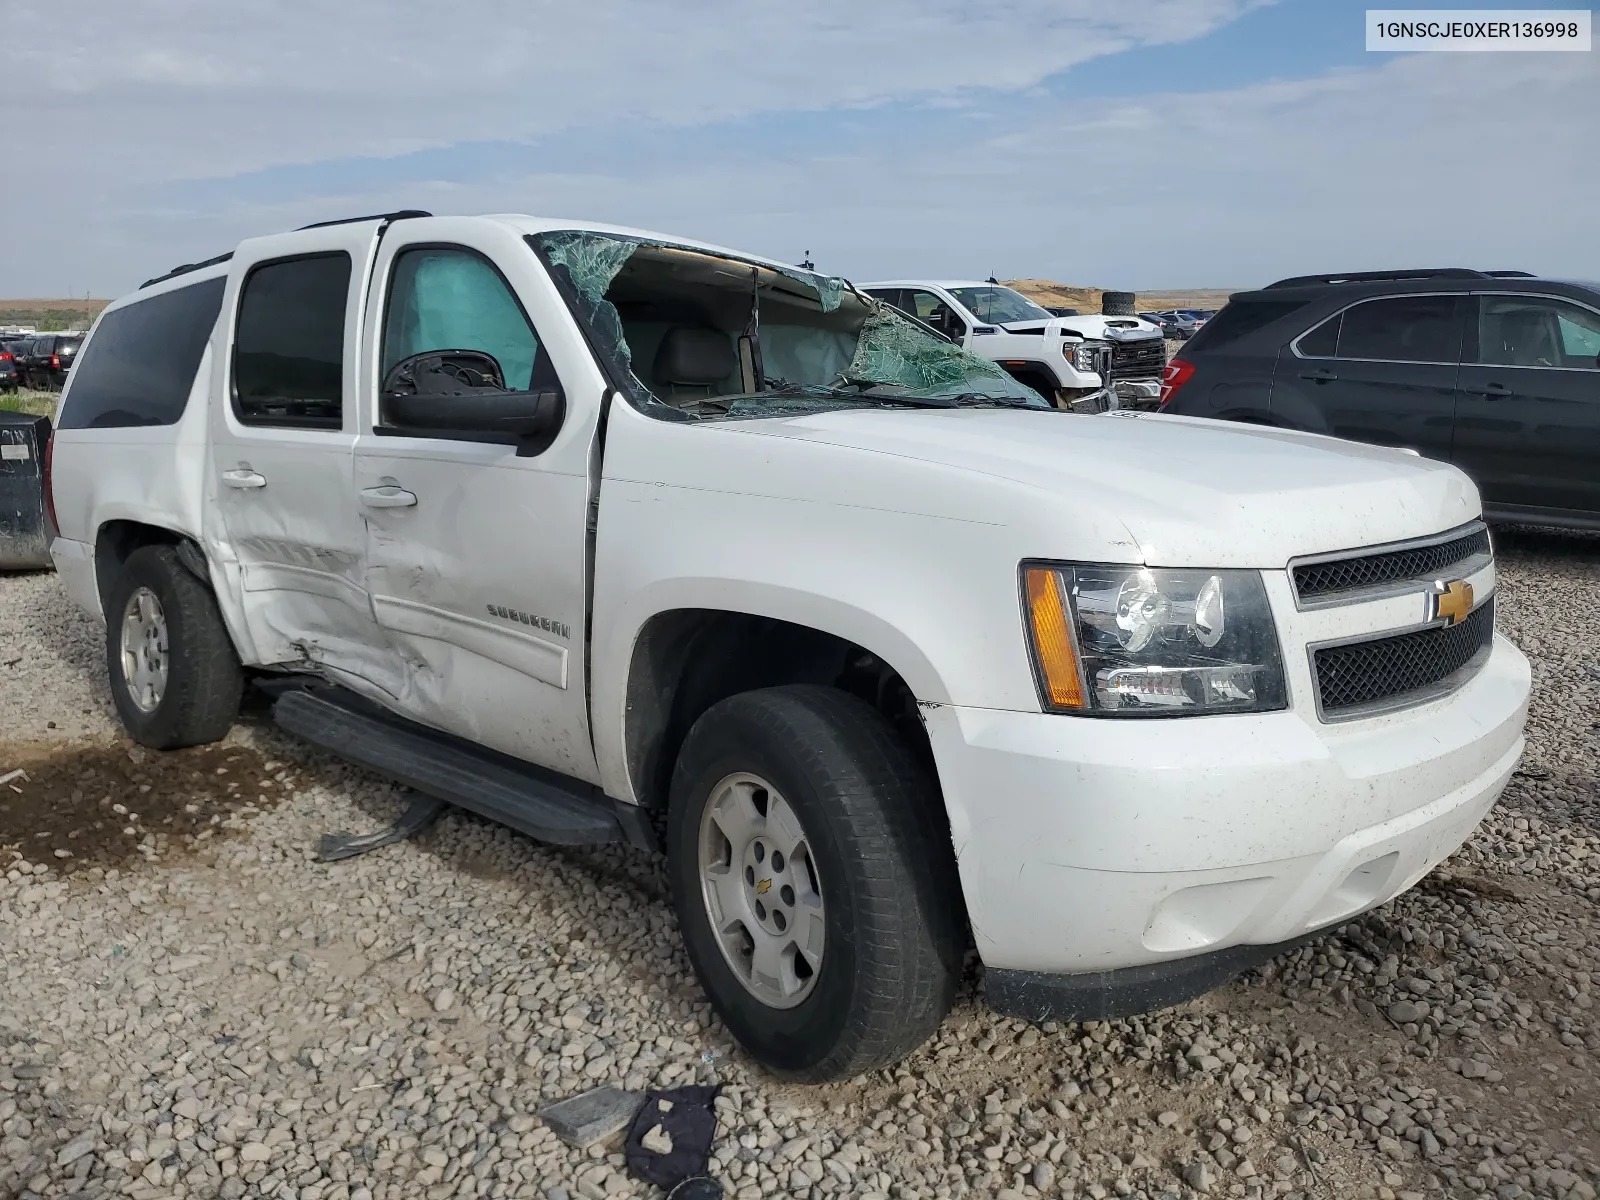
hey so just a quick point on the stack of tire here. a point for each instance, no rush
(1118, 304)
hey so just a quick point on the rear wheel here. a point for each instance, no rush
(175, 678)
(814, 883)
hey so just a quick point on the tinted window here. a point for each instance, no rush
(449, 299)
(1237, 320)
(1323, 341)
(288, 359)
(138, 367)
(1532, 331)
(1402, 329)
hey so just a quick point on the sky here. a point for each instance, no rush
(1116, 143)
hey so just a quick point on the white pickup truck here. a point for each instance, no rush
(613, 536)
(1086, 362)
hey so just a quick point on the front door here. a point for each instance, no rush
(476, 557)
(281, 456)
(1382, 371)
(1528, 422)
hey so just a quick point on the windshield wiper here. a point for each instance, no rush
(985, 400)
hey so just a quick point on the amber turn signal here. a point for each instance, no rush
(1061, 681)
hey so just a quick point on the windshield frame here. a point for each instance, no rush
(601, 326)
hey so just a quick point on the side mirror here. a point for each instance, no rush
(463, 392)
(445, 372)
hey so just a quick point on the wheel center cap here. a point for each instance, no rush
(766, 883)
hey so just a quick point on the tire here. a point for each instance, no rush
(877, 878)
(186, 680)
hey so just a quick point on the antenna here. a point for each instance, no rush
(992, 279)
(807, 264)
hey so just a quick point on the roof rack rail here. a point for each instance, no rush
(1381, 276)
(186, 268)
(1511, 275)
(403, 214)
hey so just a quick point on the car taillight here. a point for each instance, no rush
(49, 488)
(1174, 377)
(55, 362)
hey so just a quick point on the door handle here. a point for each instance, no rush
(387, 496)
(244, 479)
(1322, 375)
(1490, 390)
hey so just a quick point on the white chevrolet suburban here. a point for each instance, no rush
(1086, 362)
(613, 536)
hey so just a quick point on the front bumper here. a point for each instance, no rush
(1092, 845)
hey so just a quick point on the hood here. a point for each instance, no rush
(1091, 328)
(1191, 492)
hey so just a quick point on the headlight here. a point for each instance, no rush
(1080, 354)
(1148, 642)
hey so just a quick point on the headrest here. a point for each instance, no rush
(695, 357)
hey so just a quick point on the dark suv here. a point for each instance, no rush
(1495, 371)
(47, 359)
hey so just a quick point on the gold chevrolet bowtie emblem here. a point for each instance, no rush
(1452, 601)
(763, 887)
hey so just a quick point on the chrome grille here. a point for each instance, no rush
(1339, 579)
(1138, 360)
(1360, 678)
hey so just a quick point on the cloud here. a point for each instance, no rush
(219, 89)
(904, 139)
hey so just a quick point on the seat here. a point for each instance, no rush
(692, 363)
(1525, 340)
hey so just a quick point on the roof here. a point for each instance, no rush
(946, 284)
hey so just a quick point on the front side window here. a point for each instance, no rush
(1421, 329)
(288, 359)
(998, 305)
(450, 298)
(1536, 331)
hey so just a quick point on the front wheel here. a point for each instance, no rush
(814, 882)
(175, 677)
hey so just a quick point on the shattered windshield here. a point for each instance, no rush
(998, 305)
(690, 334)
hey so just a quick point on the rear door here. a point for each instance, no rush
(1381, 371)
(283, 430)
(1528, 422)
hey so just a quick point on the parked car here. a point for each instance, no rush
(1170, 329)
(48, 358)
(1182, 322)
(885, 651)
(10, 380)
(1497, 372)
(1096, 359)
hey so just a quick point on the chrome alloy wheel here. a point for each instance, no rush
(762, 893)
(144, 650)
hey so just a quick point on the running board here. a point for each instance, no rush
(531, 800)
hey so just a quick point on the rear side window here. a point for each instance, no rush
(1239, 319)
(288, 358)
(140, 364)
(1421, 329)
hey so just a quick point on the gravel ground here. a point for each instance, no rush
(189, 1006)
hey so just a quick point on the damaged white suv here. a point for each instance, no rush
(613, 536)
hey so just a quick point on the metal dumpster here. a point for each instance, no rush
(25, 526)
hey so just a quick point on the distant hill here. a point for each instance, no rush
(46, 315)
(1087, 299)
